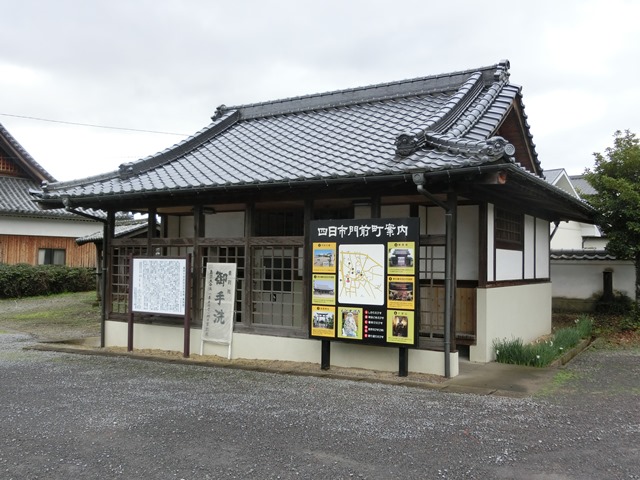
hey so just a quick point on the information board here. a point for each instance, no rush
(365, 280)
(158, 285)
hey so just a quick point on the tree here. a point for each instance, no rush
(616, 179)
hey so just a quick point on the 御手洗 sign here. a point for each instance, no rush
(365, 281)
(219, 303)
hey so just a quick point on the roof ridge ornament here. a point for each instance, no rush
(220, 111)
(454, 117)
(494, 147)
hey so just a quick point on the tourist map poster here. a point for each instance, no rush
(364, 281)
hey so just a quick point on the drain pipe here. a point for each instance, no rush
(103, 267)
(448, 269)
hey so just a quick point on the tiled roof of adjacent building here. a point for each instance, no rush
(584, 255)
(582, 186)
(122, 228)
(15, 199)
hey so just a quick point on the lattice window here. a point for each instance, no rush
(509, 230)
(279, 223)
(277, 285)
(9, 167)
(120, 277)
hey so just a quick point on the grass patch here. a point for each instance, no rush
(53, 314)
(541, 354)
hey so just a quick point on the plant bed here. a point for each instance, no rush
(544, 352)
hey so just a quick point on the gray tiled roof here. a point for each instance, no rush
(122, 229)
(427, 124)
(22, 156)
(16, 201)
(552, 175)
(582, 186)
(584, 255)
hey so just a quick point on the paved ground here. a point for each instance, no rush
(88, 417)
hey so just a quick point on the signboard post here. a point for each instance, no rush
(158, 285)
(219, 304)
(365, 283)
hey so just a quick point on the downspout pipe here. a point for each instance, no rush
(103, 268)
(448, 268)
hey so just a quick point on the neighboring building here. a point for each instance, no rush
(582, 270)
(28, 233)
(452, 150)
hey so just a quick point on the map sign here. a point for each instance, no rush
(364, 279)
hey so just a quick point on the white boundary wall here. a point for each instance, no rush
(522, 311)
(262, 347)
(583, 279)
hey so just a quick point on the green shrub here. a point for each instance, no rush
(541, 354)
(620, 304)
(24, 280)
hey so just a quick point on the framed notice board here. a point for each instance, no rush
(158, 285)
(364, 282)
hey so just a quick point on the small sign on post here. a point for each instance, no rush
(219, 304)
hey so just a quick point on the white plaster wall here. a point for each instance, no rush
(508, 265)
(568, 236)
(595, 243)
(529, 247)
(262, 347)
(467, 244)
(572, 279)
(542, 249)
(47, 227)
(394, 211)
(224, 225)
(522, 311)
(490, 244)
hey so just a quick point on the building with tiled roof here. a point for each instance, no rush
(582, 271)
(28, 233)
(453, 151)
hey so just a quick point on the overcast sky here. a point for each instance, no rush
(165, 65)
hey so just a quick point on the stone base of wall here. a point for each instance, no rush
(563, 304)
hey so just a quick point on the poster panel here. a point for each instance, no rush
(158, 285)
(323, 321)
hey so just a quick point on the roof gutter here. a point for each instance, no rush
(69, 202)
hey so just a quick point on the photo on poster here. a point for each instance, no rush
(350, 323)
(361, 276)
(324, 257)
(401, 258)
(323, 321)
(400, 292)
(400, 326)
(324, 289)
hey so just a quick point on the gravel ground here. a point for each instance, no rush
(88, 417)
